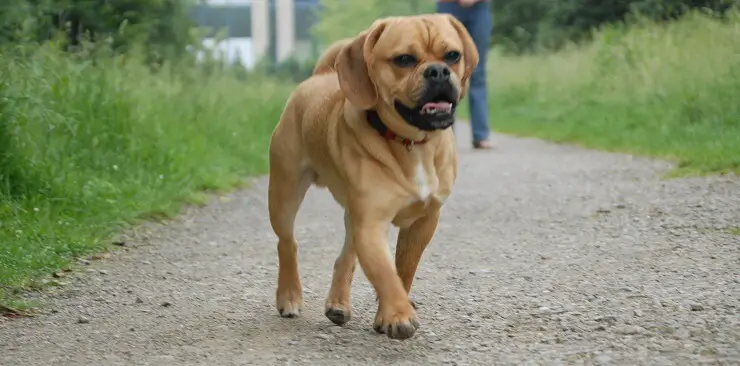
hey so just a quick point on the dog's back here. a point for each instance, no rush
(306, 114)
(322, 85)
(325, 64)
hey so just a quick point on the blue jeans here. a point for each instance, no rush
(479, 23)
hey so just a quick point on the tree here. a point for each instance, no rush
(535, 25)
(163, 25)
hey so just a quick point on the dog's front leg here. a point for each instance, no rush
(410, 246)
(395, 317)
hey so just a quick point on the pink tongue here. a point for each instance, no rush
(438, 105)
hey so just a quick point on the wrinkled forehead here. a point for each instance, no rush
(417, 35)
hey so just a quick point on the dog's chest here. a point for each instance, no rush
(425, 183)
(420, 200)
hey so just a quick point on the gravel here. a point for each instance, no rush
(545, 254)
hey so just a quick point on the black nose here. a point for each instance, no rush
(437, 73)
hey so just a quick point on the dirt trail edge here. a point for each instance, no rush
(544, 254)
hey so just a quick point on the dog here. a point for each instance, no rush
(372, 125)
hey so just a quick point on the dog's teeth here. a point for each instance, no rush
(436, 110)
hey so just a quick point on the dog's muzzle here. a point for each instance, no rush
(436, 107)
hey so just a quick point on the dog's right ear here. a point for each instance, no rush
(351, 65)
(470, 52)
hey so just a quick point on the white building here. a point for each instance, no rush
(249, 28)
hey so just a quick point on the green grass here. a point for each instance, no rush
(666, 91)
(734, 231)
(86, 150)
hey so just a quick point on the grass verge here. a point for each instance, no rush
(667, 91)
(87, 149)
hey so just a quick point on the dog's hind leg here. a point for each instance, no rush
(288, 182)
(338, 305)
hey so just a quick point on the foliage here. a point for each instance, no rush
(664, 90)
(523, 26)
(342, 19)
(520, 26)
(163, 25)
(88, 147)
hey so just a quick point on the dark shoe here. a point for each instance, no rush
(483, 145)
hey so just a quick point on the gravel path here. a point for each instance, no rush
(551, 255)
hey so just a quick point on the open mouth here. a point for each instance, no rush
(435, 110)
(439, 104)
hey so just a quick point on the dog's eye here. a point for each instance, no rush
(405, 60)
(452, 57)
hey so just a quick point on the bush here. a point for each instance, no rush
(525, 26)
(86, 148)
(663, 90)
(163, 25)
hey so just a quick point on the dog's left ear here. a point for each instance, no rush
(470, 52)
(352, 67)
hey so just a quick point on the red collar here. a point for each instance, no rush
(374, 119)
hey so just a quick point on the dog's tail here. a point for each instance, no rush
(325, 64)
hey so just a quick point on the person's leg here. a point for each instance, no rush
(455, 10)
(479, 26)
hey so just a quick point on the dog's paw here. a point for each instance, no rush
(338, 315)
(289, 303)
(338, 307)
(397, 324)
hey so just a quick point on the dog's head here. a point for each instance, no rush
(418, 67)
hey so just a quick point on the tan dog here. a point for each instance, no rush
(372, 126)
